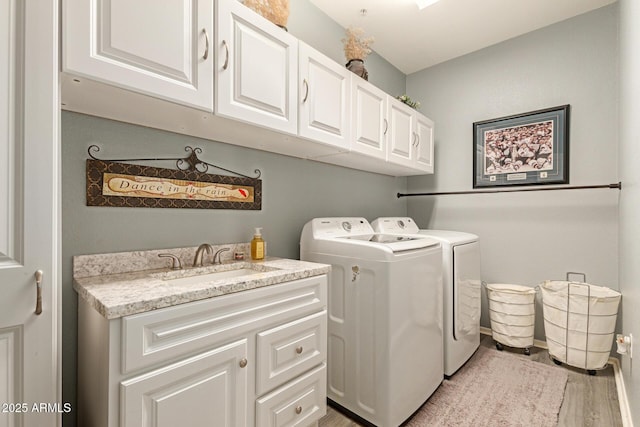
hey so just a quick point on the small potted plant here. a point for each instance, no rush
(276, 11)
(410, 102)
(356, 50)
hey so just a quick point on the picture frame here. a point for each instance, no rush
(523, 149)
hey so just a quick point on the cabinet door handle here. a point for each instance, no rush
(298, 410)
(306, 93)
(417, 139)
(243, 362)
(226, 60)
(38, 275)
(299, 349)
(386, 127)
(206, 44)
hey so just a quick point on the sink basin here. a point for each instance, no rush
(211, 277)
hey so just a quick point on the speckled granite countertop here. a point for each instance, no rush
(104, 282)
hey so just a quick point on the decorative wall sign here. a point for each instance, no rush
(111, 183)
(524, 149)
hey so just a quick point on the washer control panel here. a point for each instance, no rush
(338, 227)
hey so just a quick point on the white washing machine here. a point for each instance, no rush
(462, 287)
(385, 317)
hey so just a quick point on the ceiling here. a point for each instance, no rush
(413, 39)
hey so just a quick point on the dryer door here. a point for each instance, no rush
(466, 290)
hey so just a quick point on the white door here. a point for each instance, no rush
(325, 98)
(257, 68)
(29, 209)
(209, 389)
(369, 121)
(424, 144)
(466, 292)
(402, 134)
(162, 49)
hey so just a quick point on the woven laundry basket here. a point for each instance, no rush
(512, 314)
(579, 322)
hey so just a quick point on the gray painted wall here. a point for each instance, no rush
(310, 24)
(294, 190)
(630, 196)
(529, 237)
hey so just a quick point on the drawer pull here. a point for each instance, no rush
(299, 349)
(243, 362)
(298, 410)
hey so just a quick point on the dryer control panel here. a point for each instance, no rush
(395, 225)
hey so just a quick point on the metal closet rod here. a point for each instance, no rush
(617, 185)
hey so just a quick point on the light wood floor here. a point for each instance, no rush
(589, 401)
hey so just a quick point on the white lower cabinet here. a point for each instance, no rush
(207, 389)
(256, 357)
(298, 403)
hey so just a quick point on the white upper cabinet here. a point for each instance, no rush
(324, 98)
(424, 144)
(369, 124)
(410, 138)
(402, 134)
(257, 68)
(266, 89)
(160, 49)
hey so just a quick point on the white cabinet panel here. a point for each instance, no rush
(424, 144)
(209, 389)
(161, 335)
(162, 50)
(369, 120)
(288, 350)
(402, 136)
(298, 403)
(410, 142)
(257, 69)
(325, 102)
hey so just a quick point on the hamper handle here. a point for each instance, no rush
(584, 276)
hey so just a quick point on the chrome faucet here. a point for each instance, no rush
(175, 261)
(198, 260)
(218, 256)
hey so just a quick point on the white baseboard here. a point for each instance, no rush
(625, 410)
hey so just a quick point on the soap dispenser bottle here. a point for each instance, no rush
(257, 245)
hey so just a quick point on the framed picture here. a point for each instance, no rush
(524, 149)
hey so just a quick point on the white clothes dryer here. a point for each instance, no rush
(385, 354)
(462, 287)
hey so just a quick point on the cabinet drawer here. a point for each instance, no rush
(289, 350)
(165, 334)
(298, 403)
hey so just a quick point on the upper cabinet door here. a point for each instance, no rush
(324, 94)
(402, 134)
(424, 144)
(369, 124)
(163, 49)
(257, 65)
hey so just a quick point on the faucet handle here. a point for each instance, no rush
(217, 257)
(175, 261)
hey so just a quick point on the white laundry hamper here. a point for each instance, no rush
(512, 313)
(579, 322)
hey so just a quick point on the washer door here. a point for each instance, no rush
(466, 290)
